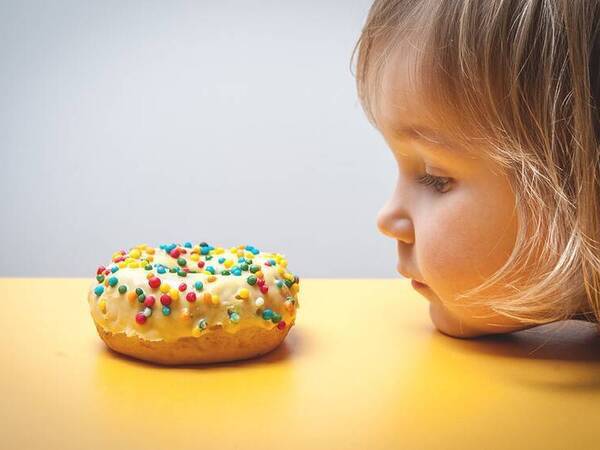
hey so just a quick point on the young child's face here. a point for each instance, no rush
(453, 233)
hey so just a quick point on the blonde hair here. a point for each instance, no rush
(520, 79)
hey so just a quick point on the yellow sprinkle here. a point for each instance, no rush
(134, 265)
(282, 263)
(150, 250)
(131, 296)
(150, 275)
(150, 258)
(295, 288)
(174, 294)
(219, 250)
(215, 299)
(228, 263)
(102, 306)
(259, 274)
(249, 255)
(196, 332)
(121, 265)
(243, 293)
(288, 276)
(164, 288)
(211, 278)
(233, 250)
(194, 256)
(280, 270)
(135, 253)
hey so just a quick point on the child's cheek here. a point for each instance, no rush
(462, 246)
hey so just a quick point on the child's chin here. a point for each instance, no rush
(450, 325)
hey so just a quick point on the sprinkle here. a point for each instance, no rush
(99, 290)
(281, 325)
(234, 317)
(161, 270)
(165, 299)
(198, 285)
(211, 269)
(196, 332)
(139, 291)
(243, 293)
(100, 270)
(228, 263)
(237, 271)
(276, 317)
(122, 289)
(140, 318)
(289, 305)
(141, 298)
(215, 299)
(188, 245)
(154, 282)
(166, 310)
(149, 301)
(200, 264)
(259, 302)
(182, 287)
(279, 284)
(202, 324)
(100, 278)
(254, 268)
(131, 296)
(181, 261)
(267, 314)
(207, 298)
(251, 280)
(191, 297)
(102, 306)
(264, 289)
(222, 260)
(113, 281)
(174, 294)
(135, 253)
(148, 267)
(175, 253)
(147, 312)
(164, 288)
(211, 278)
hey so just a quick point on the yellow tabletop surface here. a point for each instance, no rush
(362, 369)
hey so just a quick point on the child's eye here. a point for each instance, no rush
(440, 184)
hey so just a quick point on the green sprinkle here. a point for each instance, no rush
(288, 283)
(148, 267)
(276, 318)
(122, 289)
(244, 267)
(234, 317)
(141, 298)
(139, 291)
(181, 261)
(100, 278)
(254, 268)
(251, 280)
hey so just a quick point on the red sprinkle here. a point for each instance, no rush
(267, 263)
(149, 302)
(100, 270)
(165, 299)
(281, 325)
(191, 297)
(140, 318)
(260, 282)
(154, 282)
(175, 253)
(182, 287)
(264, 289)
(201, 264)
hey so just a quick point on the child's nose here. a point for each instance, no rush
(394, 222)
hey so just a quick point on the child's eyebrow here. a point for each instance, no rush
(426, 135)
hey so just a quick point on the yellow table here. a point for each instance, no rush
(363, 369)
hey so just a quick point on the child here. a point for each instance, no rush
(490, 110)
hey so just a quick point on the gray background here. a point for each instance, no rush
(231, 121)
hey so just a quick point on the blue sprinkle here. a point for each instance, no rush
(204, 250)
(188, 245)
(114, 269)
(221, 260)
(161, 270)
(166, 310)
(99, 290)
(198, 285)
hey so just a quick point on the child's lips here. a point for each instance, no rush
(418, 285)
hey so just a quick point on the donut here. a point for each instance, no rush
(193, 304)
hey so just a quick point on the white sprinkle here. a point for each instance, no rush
(147, 312)
(259, 301)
